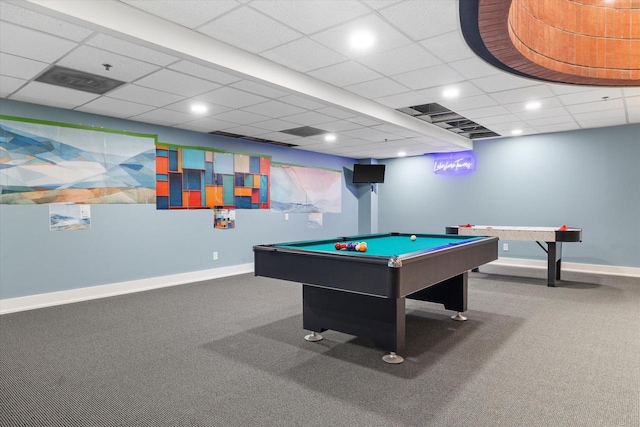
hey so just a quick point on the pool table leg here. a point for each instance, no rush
(382, 320)
(452, 293)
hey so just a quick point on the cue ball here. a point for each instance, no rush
(413, 237)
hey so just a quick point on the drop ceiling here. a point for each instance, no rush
(265, 66)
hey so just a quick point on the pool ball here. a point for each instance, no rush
(338, 246)
(362, 248)
(413, 237)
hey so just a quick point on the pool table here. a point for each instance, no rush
(363, 293)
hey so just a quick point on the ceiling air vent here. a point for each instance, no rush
(250, 138)
(453, 122)
(78, 80)
(304, 131)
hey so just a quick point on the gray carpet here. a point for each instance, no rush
(230, 352)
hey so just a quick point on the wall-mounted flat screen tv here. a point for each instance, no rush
(368, 174)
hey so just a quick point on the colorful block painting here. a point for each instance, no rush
(48, 162)
(197, 178)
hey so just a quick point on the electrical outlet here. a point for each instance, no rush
(215, 256)
(505, 247)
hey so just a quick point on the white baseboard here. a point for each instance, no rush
(571, 266)
(31, 302)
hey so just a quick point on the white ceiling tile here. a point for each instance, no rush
(303, 55)
(309, 118)
(501, 82)
(336, 112)
(206, 124)
(478, 113)
(423, 19)
(377, 88)
(231, 97)
(595, 120)
(601, 116)
(163, 117)
(553, 120)
(386, 37)
(632, 102)
(561, 89)
(591, 95)
(207, 73)
(345, 73)
(380, 4)
(448, 47)
(544, 112)
(520, 107)
(436, 94)
(132, 50)
(405, 58)
(27, 18)
(364, 121)
(114, 107)
(8, 85)
(15, 66)
(275, 125)
(240, 117)
(144, 95)
(559, 127)
(633, 115)
(468, 103)
(596, 106)
(339, 126)
(396, 130)
(531, 93)
(90, 59)
(32, 44)
(500, 119)
(249, 30)
(309, 17)
(190, 13)
(303, 102)
(177, 83)
(274, 109)
(631, 91)
(402, 100)
(259, 89)
(370, 134)
(55, 96)
(473, 68)
(429, 77)
(184, 106)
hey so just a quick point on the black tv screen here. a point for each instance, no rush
(368, 174)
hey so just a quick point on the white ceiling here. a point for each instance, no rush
(262, 66)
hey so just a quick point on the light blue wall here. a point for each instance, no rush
(129, 242)
(586, 178)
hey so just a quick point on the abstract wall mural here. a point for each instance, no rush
(200, 178)
(303, 189)
(49, 162)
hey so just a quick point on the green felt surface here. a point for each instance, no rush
(385, 245)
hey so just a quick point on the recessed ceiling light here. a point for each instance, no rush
(451, 92)
(533, 105)
(362, 40)
(401, 153)
(199, 108)
(330, 137)
(516, 132)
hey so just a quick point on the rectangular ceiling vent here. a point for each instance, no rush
(78, 80)
(453, 122)
(250, 138)
(304, 131)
